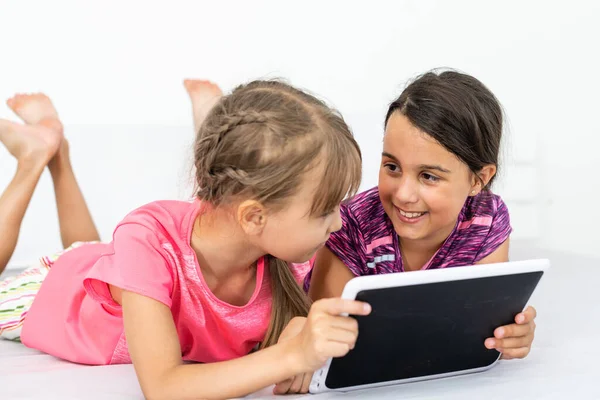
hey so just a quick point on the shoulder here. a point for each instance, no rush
(166, 216)
(485, 204)
(364, 204)
(484, 224)
(366, 232)
(365, 213)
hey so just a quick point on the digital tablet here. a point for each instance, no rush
(429, 324)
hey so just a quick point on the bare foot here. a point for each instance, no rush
(204, 95)
(35, 109)
(30, 142)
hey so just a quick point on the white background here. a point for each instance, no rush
(114, 70)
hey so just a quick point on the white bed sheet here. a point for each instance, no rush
(563, 363)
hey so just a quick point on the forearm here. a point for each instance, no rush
(329, 276)
(227, 379)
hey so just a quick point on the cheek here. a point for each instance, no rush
(275, 229)
(288, 234)
(386, 193)
(444, 201)
(386, 184)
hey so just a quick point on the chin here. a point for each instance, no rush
(304, 258)
(408, 233)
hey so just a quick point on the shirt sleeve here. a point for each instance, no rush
(347, 243)
(500, 230)
(137, 264)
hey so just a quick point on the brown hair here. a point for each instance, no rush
(258, 142)
(459, 112)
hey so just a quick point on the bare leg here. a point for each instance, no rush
(74, 217)
(75, 220)
(204, 95)
(33, 147)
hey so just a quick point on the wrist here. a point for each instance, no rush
(292, 356)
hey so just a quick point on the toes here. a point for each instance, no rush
(18, 100)
(203, 88)
(188, 83)
(13, 102)
(40, 96)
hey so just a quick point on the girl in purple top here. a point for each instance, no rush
(433, 207)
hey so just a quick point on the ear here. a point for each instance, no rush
(252, 217)
(485, 176)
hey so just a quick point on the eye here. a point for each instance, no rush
(327, 214)
(331, 212)
(429, 177)
(391, 167)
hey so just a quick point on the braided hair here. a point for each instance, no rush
(257, 143)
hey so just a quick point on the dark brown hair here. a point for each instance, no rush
(459, 112)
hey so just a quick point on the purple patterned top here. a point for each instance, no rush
(368, 245)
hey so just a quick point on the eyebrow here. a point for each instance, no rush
(388, 155)
(435, 167)
(422, 166)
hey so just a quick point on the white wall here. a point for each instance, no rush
(114, 70)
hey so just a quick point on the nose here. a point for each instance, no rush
(336, 225)
(407, 190)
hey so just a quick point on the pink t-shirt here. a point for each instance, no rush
(75, 318)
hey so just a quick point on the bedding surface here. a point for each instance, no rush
(564, 362)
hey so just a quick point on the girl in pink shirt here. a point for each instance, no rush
(206, 281)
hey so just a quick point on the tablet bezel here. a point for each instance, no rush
(382, 281)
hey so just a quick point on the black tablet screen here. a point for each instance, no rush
(421, 330)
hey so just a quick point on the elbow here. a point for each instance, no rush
(159, 389)
(163, 395)
(162, 390)
(154, 392)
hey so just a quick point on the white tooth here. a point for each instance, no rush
(410, 215)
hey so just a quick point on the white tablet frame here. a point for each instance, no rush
(358, 284)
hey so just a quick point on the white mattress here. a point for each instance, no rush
(563, 363)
